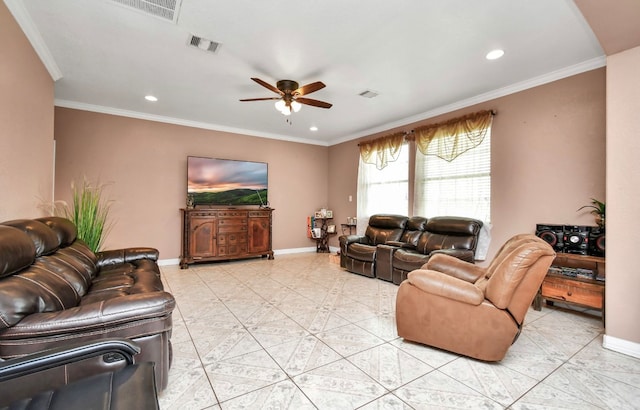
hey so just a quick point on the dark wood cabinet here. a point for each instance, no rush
(223, 234)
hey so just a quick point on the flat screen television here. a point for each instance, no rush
(226, 182)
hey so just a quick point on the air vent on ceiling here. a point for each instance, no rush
(368, 94)
(164, 9)
(203, 44)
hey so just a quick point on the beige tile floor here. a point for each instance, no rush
(298, 332)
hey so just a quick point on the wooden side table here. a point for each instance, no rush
(580, 291)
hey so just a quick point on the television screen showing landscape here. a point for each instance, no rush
(213, 181)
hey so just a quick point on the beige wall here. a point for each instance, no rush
(143, 164)
(26, 125)
(623, 195)
(548, 157)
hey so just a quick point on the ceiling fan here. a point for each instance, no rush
(291, 95)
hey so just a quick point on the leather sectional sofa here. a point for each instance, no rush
(394, 245)
(54, 291)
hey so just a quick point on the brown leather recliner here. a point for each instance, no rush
(358, 253)
(55, 291)
(478, 312)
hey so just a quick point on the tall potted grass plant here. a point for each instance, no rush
(89, 211)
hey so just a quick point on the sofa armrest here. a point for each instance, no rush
(453, 266)
(59, 356)
(94, 317)
(119, 256)
(349, 239)
(440, 284)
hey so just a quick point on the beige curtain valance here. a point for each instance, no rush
(381, 151)
(447, 140)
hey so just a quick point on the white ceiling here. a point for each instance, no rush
(423, 57)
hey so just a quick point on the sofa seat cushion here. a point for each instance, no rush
(408, 260)
(362, 252)
(127, 279)
(129, 317)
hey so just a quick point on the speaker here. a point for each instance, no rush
(552, 234)
(576, 239)
(596, 241)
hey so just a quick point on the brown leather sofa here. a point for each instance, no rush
(393, 245)
(54, 291)
(478, 312)
(455, 236)
(358, 253)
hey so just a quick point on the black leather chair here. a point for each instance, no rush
(39, 380)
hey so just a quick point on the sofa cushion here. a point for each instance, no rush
(430, 242)
(64, 228)
(415, 226)
(384, 228)
(45, 240)
(408, 260)
(452, 225)
(17, 251)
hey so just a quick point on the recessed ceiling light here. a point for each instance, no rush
(494, 54)
(150, 98)
(313, 128)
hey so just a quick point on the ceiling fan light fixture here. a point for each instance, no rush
(295, 106)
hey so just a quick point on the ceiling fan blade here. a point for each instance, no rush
(267, 85)
(309, 88)
(261, 99)
(315, 103)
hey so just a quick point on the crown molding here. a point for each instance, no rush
(585, 66)
(177, 121)
(579, 68)
(23, 18)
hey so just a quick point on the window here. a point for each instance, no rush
(383, 190)
(461, 187)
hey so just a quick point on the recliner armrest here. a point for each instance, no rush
(453, 266)
(119, 256)
(349, 239)
(397, 244)
(60, 356)
(438, 283)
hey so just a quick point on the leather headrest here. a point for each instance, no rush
(452, 225)
(417, 223)
(384, 221)
(64, 228)
(17, 250)
(44, 239)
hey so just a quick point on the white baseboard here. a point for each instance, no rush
(176, 261)
(621, 346)
(167, 262)
(293, 250)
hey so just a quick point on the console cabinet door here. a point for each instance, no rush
(259, 234)
(202, 231)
